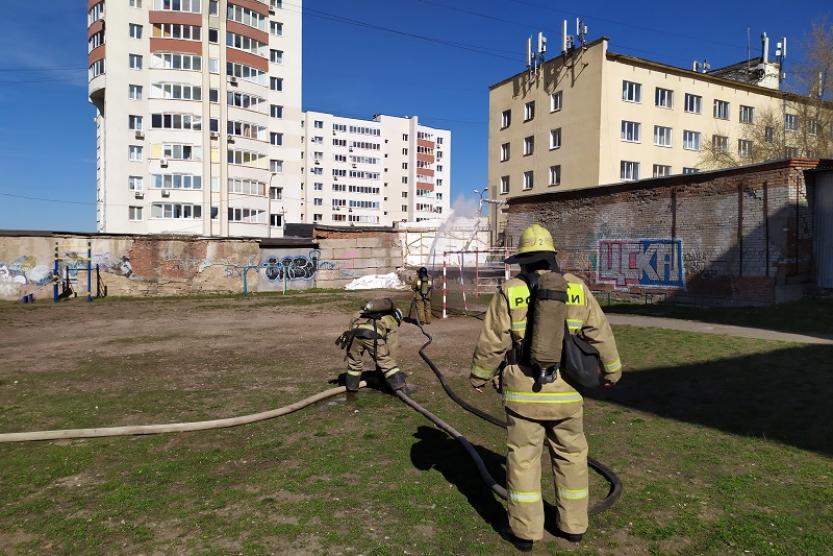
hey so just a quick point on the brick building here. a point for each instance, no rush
(743, 235)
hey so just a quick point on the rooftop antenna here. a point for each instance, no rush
(781, 55)
(581, 32)
(542, 47)
(566, 40)
(764, 48)
(701, 67)
(530, 57)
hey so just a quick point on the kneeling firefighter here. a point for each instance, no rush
(548, 335)
(374, 330)
(422, 287)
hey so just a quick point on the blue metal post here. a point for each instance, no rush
(55, 276)
(245, 281)
(89, 271)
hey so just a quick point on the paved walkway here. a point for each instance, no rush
(709, 328)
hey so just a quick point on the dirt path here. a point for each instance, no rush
(710, 328)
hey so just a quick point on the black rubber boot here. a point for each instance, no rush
(523, 545)
(572, 537)
(397, 381)
(352, 382)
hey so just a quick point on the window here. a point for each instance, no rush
(687, 171)
(242, 42)
(213, 36)
(629, 171)
(178, 91)
(276, 83)
(504, 152)
(318, 202)
(213, 95)
(790, 122)
(529, 145)
(721, 109)
(276, 138)
(662, 136)
(555, 101)
(247, 73)
(747, 114)
(529, 179)
(275, 220)
(177, 151)
(404, 151)
(135, 62)
(95, 13)
(404, 165)
(276, 56)
(318, 124)
(135, 92)
(504, 185)
(134, 123)
(630, 131)
(404, 209)
(661, 170)
(276, 193)
(171, 60)
(135, 31)
(555, 138)
(317, 217)
(505, 119)
(812, 128)
(769, 134)
(404, 136)
(243, 100)
(744, 148)
(213, 9)
(135, 3)
(246, 187)
(664, 98)
(276, 166)
(177, 181)
(529, 110)
(134, 213)
(693, 103)
(134, 153)
(276, 28)
(214, 65)
(318, 186)
(276, 111)
(631, 92)
(791, 152)
(691, 140)
(135, 183)
(177, 5)
(720, 143)
(96, 69)
(246, 17)
(555, 175)
(247, 216)
(177, 31)
(176, 121)
(246, 129)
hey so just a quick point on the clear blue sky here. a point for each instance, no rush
(47, 147)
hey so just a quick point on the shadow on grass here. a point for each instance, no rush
(784, 395)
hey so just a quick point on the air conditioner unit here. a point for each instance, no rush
(166, 193)
(317, 163)
(140, 135)
(354, 165)
(139, 194)
(232, 80)
(230, 139)
(215, 135)
(351, 149)
(163, 163)
(271, 10)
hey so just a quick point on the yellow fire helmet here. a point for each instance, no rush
(535, 240)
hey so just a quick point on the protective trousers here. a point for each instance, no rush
(568, 451)
(423, 308)
(383, 360)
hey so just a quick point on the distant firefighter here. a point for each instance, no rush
(374, 331)
(422, 287)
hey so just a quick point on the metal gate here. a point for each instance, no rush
(823, 226)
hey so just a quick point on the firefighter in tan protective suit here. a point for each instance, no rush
(422, 287)
(374, 331)
(538, 413)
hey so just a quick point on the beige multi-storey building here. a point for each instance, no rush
(374, 172)
(590, 117)
(198, 113)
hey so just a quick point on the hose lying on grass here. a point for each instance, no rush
(131, 430)
(610, 476)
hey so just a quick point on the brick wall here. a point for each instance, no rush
(741, 236)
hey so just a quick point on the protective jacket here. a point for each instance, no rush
(504, 328)
(423, 286)
(386, 327)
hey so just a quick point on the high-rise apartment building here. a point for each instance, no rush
(374, 172)
(590, 117)
(198, 112)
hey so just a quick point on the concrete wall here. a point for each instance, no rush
(741, 236)
(152, 265)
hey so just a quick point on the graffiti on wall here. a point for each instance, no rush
(22, 273)
(294, 267)
(641, 262)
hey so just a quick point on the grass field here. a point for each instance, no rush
(723, 444)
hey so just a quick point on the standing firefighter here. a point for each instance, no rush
(422, 295)
(375, 330)
(539, 316)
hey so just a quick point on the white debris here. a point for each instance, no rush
(376, 282)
